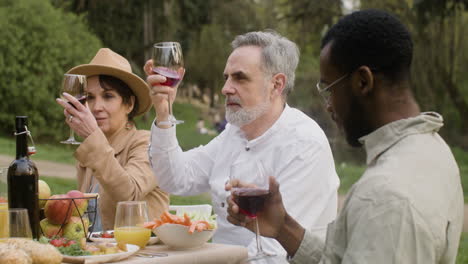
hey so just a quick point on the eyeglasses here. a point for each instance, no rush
(325, 90)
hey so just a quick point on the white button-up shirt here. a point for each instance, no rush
(295, 150)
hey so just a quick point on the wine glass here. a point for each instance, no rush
(169, 62)
(251, 196)
(75, 85)
(14, 222)
(129, 223)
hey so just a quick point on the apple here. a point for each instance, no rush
(50, 230)
(81, 204)
(58, 211)
(74, 229)
(44, 193)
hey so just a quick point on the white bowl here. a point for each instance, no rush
(177, 236)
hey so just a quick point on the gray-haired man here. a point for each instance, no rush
(259, 75)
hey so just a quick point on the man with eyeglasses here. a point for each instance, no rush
(407, 207)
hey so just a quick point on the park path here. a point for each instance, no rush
(60, 170)
(46, 168)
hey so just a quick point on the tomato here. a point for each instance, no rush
(107, 235)
(69, 243)
(59, 242)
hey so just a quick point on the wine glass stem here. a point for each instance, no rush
(170, 106)
(72, 135)
(257, 236)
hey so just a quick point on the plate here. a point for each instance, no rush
(152, 240)
(132, 249)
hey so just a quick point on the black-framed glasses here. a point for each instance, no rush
(325, 90)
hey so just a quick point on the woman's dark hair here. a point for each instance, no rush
(372, 38)
(108, 82)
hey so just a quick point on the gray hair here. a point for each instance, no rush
(280, 55)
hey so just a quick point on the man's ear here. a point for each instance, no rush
(279, 82)
(363, 81)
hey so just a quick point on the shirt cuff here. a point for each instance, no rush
(310, 250)
(163, 138)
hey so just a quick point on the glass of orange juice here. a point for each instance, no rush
(129, 220)
(4, 225)
(14, 222)
(4, 231)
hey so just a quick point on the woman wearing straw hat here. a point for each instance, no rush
(113, 158)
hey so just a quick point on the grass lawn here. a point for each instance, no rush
(462, 257)
(61, 186)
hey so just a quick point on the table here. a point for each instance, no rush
(207, 254)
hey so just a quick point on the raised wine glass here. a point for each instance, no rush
(75, 85)
(168, 61)
(129, 223)
(251, 198)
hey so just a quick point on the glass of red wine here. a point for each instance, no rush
(75, 85)
(168, 61)
(251, 196)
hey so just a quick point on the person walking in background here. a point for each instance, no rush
(113, 158)
(407, 207)
(259, 75)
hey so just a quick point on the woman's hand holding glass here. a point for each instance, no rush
(77, 116)
(129, 223)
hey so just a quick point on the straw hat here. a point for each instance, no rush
(107, 62)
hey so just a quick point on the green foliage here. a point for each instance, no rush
(462, 160)
(349, 174)
(38, 43)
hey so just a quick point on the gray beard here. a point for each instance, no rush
(244, 116)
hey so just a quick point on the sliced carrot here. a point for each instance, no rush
(199, 226)
(157, 223)
(192, 227)
(187, 221)
(149, 225)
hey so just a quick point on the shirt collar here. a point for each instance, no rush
(384, 137)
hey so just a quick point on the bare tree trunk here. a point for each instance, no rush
(148, 36)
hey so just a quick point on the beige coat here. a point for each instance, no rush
(121, 167)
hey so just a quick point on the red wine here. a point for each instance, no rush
(81, 99)
(250, 200)
(23, 178)
(172, 77)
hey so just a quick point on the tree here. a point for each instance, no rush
(440, 58)
(39, 44)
